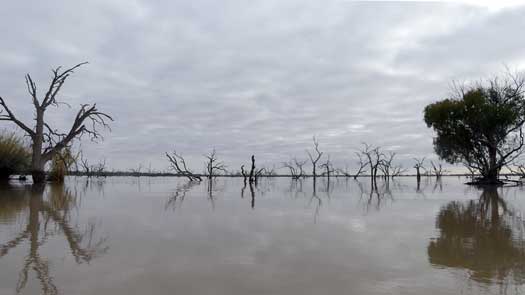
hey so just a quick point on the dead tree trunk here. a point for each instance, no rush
(178, 164)
(419, 166)
(46, 141)
(243, 172)
(213, 164)
(252, 171)
(315, 158)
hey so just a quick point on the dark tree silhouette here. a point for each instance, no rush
(296, 168)
(481, 126)
(178, 164)
(47, 141)
(315, 156)
(213, 164)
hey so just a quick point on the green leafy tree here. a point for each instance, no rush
(481, 127)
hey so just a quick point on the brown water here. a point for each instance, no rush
(167, 236)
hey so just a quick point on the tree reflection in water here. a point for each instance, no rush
(47, 208)
(482, 236)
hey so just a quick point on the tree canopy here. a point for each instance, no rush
(481, 126)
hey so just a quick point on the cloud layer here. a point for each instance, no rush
(254, 77)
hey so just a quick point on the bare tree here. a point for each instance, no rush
(418, 166)
(328, 167)
(178, 164)
(398, 170)
(98, 170)
(252, 171)
(296, 168)
(47, 141)
(362, 165)
(244, 175)
(437, 169)
(315, 156)
(386, 165)
(213, 164)
(373, 156)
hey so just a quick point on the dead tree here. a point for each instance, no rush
(397, 170)
(252, 171)
(213, 164)
(386, 165)
(97, 170)
(418, 166)
(244, 175)
(327, 166)
(314, 158)
(259, 173)
(362, 165)
(437, 169)
(518, 169)
(178, 164)
(85, 166)
(46, 140)
(296, 168)
(373, 157)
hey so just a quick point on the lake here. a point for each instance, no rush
(166, 235)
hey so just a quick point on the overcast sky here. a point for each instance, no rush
(253, 77)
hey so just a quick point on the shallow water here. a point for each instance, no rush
(165, 235)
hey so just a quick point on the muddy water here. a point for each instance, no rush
(166, 236)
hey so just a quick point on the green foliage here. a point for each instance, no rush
(15, 156)
(482, 128)
(60, 165)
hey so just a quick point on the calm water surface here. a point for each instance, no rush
(166, 236)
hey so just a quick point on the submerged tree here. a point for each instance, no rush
(48, 141)
(213, 164)
(315, 156)
(178, 164)
(296, 168)
(481, 126)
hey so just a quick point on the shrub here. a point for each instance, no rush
(15, 156)
(60, 165)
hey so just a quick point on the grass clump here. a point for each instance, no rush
(15, 155)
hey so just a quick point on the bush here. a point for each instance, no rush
(60, 165)
(15, 156)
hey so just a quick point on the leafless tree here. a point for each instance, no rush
(97, 170)
(296, 168)
(398, 170)
(362, 165)
(46, 140)
(213, 164)
(244, 175)
(327, 166)
(437, 169)
(178, 164)
(418, 166)
(386, 165)
(253, 173)
(315, 156)
(518, 169)
(373, 157)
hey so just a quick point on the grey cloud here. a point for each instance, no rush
(257, 77)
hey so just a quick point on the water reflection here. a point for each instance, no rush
(48, 214)
(375, 196)
(483, 236)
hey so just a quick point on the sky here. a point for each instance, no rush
(254, 77)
